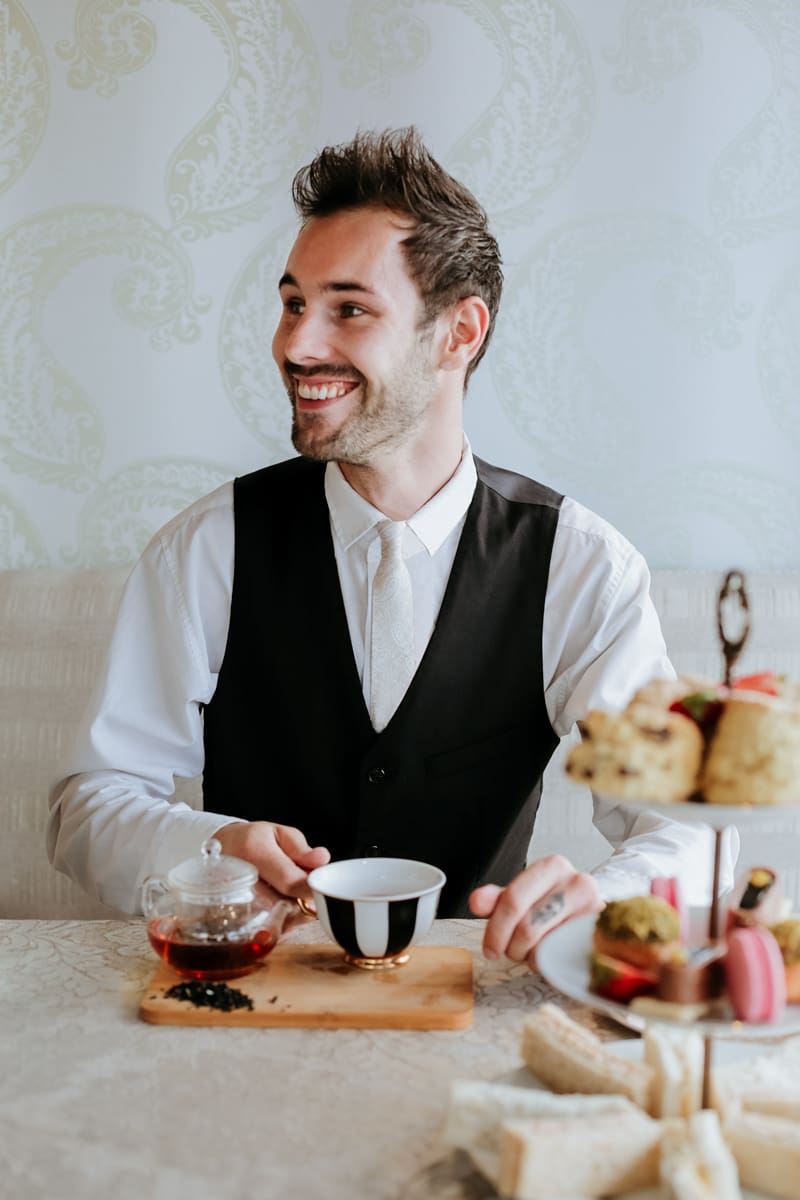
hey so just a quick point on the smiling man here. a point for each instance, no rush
(252, 641)
(378, 393)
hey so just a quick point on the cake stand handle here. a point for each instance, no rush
(733, 596)
(713, 936)
(707, 1051)
(713, 913)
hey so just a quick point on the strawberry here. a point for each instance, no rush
(704, 708)
(618, 980)
(762, 681)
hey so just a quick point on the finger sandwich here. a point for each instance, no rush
(478, 1110)
(767, 1083)
(676, 1057)
(544, 1158)
(696, 1163)
(568, 1058)
(767, 1153)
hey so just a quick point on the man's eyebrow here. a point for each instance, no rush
(288, 280)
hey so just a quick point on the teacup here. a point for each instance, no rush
(376, 908)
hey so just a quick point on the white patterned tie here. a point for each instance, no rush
(392, 663)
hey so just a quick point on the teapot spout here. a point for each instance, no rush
(285, 915)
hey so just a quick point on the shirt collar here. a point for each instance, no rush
(352, 516)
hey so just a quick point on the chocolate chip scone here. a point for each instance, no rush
(644, 753)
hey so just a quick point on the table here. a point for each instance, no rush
(94, 1103)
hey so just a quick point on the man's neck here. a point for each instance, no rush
(400, 483)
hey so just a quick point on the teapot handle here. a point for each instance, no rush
(153, 888)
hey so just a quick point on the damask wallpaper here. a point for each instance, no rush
(640, 161)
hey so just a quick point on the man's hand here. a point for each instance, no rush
(281, 854)
(542, 896)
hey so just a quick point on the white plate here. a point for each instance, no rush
(717, 816)
(725, 1054)
(563, 959)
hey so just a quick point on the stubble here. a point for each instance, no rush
(387, 416)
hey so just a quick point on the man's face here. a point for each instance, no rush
(357, 364)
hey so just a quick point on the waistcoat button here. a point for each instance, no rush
(376, 774)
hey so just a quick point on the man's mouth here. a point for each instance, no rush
(322, 391)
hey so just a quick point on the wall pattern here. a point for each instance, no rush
(640, 161)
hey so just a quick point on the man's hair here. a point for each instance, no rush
(450, 254)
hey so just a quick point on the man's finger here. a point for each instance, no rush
(517, 899)
(483, 900)
(274, 851)
(292, 841)
(568, 899)
(317, 857)
(298, 858)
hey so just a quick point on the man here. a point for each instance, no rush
(249, 643)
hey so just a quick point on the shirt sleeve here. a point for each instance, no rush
(113, 817)
(602, 641)
(602, 638)
(647, 845)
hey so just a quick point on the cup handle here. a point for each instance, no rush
(305, 906)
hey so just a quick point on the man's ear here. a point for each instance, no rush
(466, 325)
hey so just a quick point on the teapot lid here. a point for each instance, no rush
(212, 873)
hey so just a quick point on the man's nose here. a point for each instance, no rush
(307, 339)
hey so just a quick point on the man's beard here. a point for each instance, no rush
(388, 414)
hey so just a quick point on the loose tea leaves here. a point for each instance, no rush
(209, 995)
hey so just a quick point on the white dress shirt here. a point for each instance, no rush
(114, 819)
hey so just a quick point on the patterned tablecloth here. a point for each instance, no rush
(96, 1103)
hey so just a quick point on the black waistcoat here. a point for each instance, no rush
(454, 778)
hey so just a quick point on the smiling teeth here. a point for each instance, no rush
(326, 392)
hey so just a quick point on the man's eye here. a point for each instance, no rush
(351, 310)
(295, 307)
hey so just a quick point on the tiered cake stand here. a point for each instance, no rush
(563, 957)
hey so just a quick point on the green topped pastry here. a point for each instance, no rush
(643, 930)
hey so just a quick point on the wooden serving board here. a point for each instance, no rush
(312, 986)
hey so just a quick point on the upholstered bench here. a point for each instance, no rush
(55, 624)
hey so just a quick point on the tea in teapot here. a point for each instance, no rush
(205, 919)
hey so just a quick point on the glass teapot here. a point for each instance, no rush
(205, 919)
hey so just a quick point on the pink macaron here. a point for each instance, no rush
(669, 889)
(755, 978)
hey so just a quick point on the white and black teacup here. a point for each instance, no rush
(376, 908)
